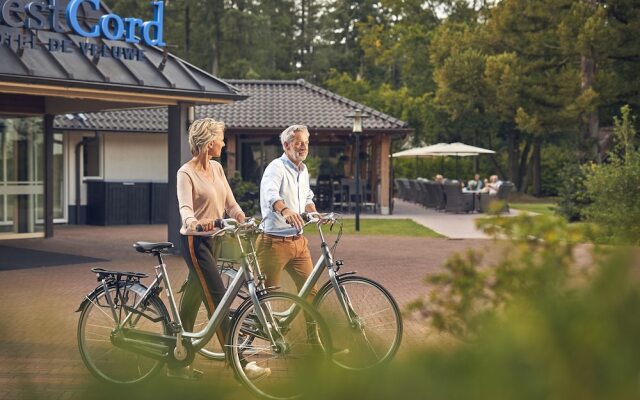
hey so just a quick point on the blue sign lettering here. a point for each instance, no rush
(50, 14)
(113, 27)
(72, 18)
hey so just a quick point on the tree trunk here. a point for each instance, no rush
(535, 167)
(216, 45)
(590, 119)
(187, 29)
(513, 146)
(522, 170)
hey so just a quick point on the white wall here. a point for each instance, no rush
(124, 157)
(135, 157)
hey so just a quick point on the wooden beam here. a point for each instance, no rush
(108, 95)
(385, 174)
(232, 146)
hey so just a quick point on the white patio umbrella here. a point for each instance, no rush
(417, 152)
(444, 149)
(461, 150)
(426, 151)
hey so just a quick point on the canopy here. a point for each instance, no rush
(442, 150)
(425, 151)
(461, 150)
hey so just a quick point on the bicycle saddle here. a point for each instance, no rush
(150, 247)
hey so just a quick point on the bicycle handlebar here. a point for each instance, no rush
(316, 217)
(230, 225)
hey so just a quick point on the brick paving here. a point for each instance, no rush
(38, 352)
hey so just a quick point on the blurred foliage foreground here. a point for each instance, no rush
(533, 325)
(539, 322)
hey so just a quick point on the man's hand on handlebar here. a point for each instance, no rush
(293, 218)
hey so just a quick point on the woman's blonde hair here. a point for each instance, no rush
(202, 132)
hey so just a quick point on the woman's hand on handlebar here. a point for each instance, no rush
(202, 225)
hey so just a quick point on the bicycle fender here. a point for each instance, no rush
(327, 284)
(138, 288)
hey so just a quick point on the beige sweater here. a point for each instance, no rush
(200, 198)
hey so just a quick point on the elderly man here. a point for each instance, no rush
(285, 194)
(493, 185)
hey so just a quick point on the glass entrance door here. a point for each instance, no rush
(21, 177)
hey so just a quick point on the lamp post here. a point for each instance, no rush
(357, 130)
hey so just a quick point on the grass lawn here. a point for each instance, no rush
(540, 208)
(391, 227)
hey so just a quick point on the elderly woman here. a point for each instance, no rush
(203, 196)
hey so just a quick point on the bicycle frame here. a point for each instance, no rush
(325, 261)
(198, 339)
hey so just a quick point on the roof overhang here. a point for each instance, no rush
(96, 97)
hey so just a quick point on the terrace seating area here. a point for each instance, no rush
(337, 193)
(449, 196)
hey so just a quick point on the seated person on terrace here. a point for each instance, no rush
(492, 185)
(475, 183)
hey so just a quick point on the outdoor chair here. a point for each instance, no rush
(431, 192)
(456, 200)
(324, 192)
(487, 199)
(366, 195)
(440, 199)
(419, 191)
(413, 194)
(503, 195)
(424, 191)
(404, 188)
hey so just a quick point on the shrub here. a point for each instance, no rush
(573, 199)
(614, 188)
(246, 193)
(539, 326)
(538, 259)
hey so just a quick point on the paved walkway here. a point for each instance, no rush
(38, 352)
(452, 226)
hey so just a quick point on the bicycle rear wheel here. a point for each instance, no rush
(294, 357)
(374, 335)
(104, 360)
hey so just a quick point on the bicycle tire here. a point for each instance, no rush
(300, 352)
(105, 361)
(376, 336)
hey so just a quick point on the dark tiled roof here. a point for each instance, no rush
(271, 105)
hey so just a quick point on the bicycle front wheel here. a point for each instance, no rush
(366, 334)
(291, 346)
(97, 321)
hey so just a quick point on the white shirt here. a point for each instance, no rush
(283, 180)
(493, 187)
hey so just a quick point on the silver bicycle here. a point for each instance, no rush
(363, 317)
(125, 333)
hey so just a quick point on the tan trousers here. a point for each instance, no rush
(278, 254)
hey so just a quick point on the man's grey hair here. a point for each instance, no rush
(287, 135)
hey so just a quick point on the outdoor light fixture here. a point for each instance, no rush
(357, 130)
(191, 114)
